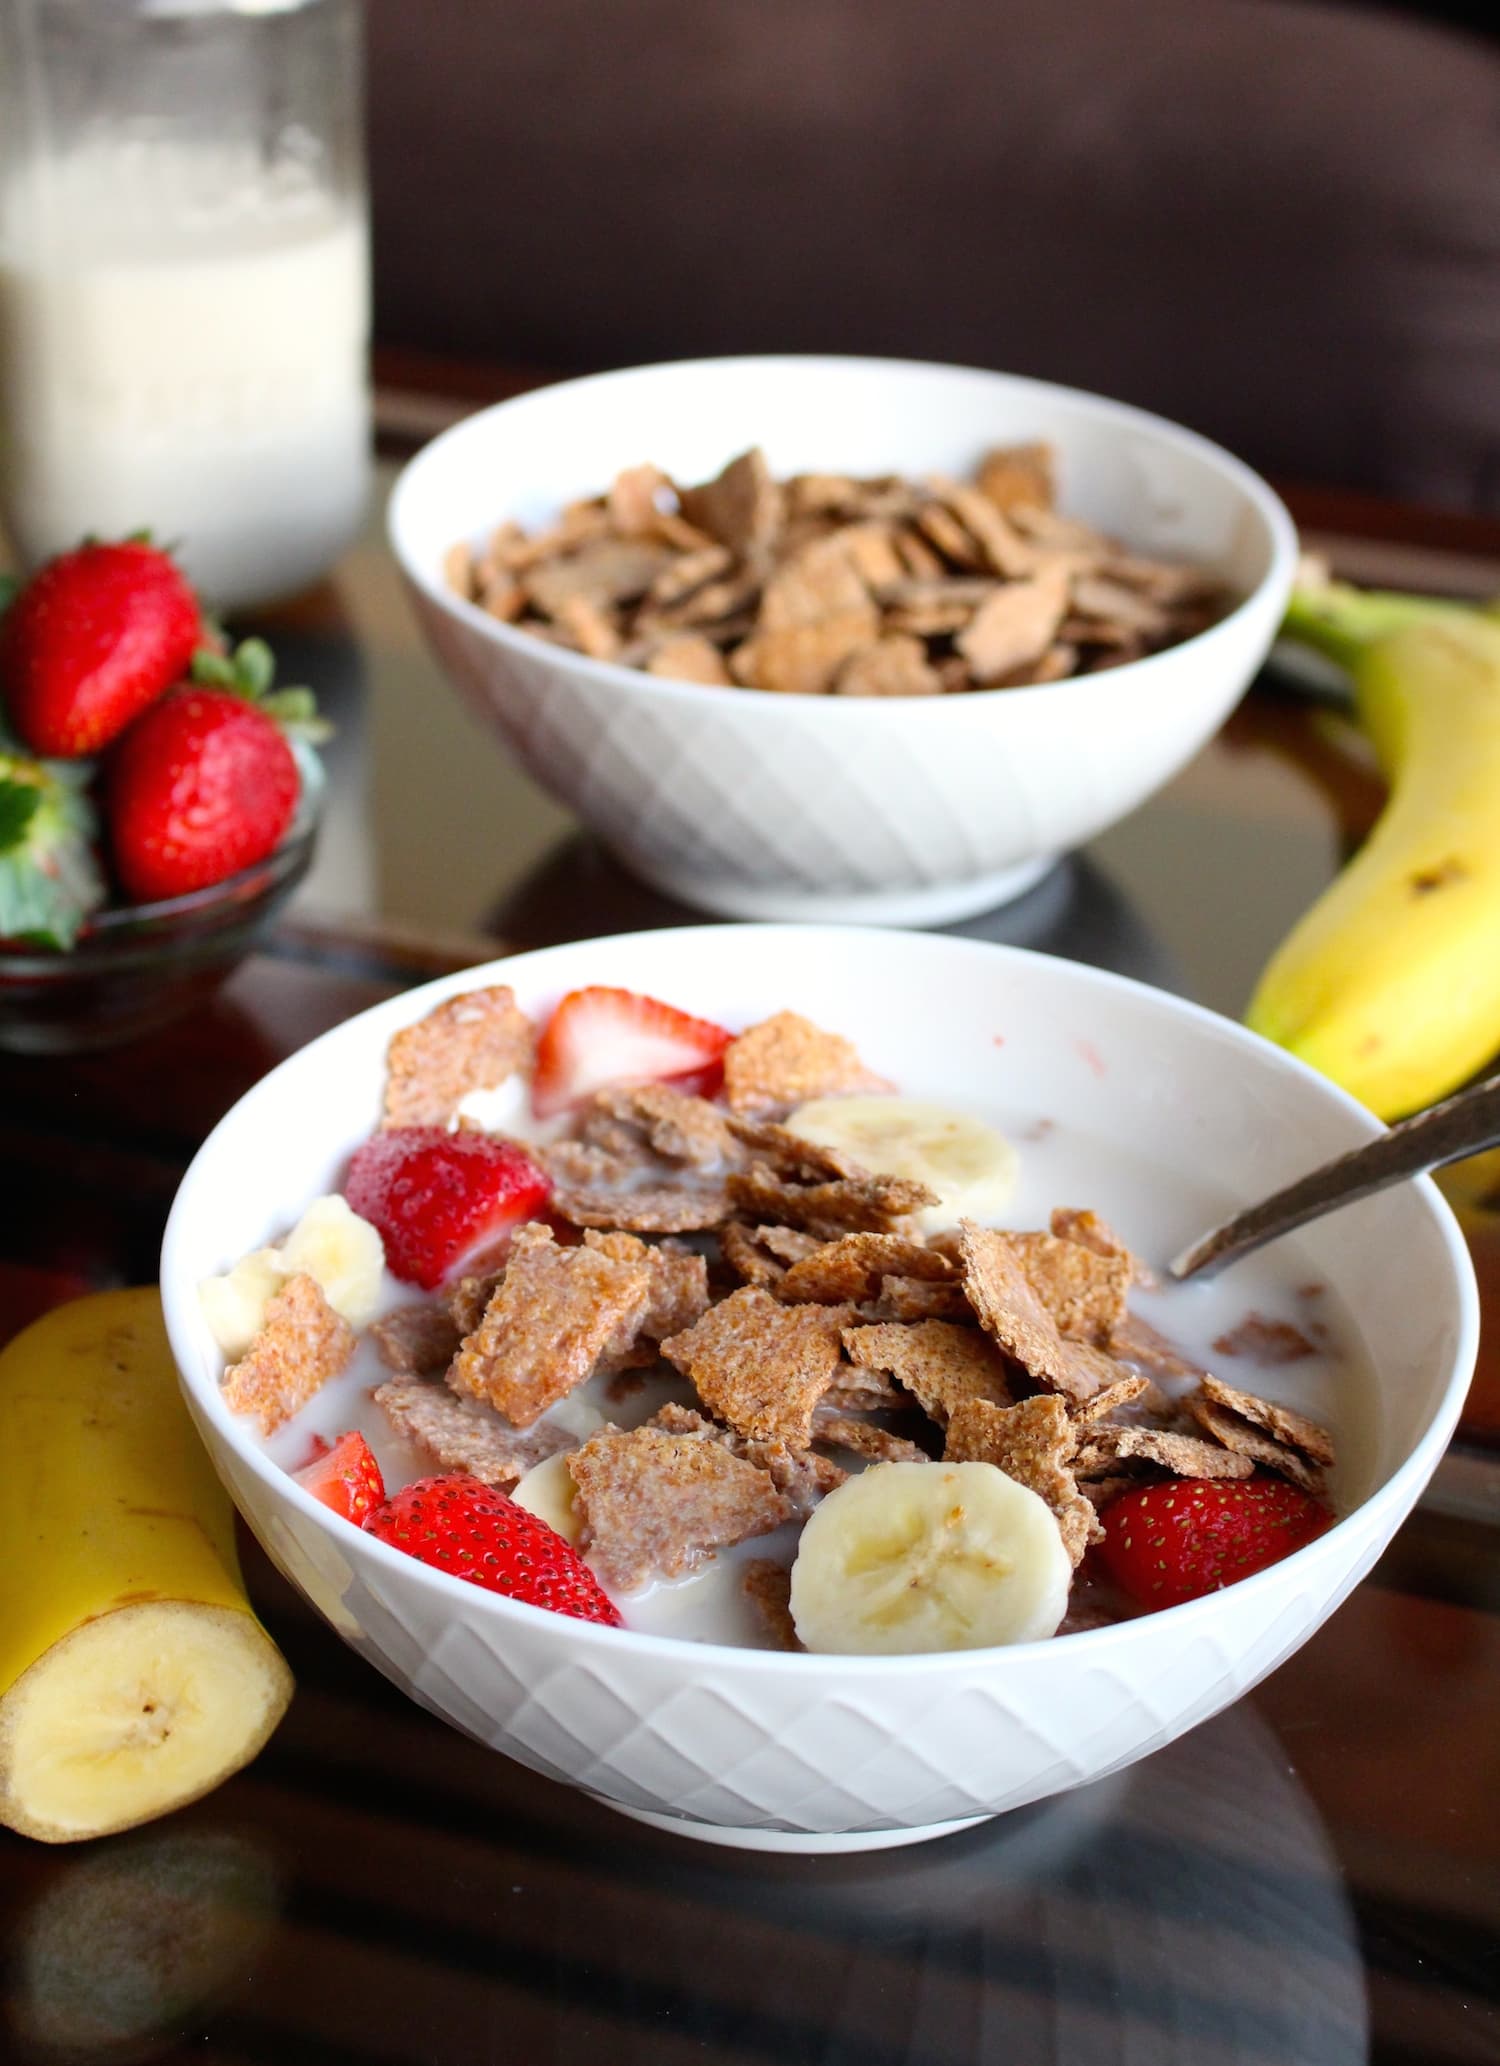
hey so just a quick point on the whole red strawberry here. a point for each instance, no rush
(458, 1525)
(345, 1477)
(437, 1196)
(201, 786)
(90, 641)
(1178, 1541)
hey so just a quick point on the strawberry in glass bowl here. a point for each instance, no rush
(159, 799)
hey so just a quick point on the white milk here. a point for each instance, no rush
(207, 385)
(1154, 1209)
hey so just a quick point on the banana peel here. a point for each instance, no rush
(1390, 983)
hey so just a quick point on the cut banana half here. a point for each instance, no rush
(911, 1557)
(133, 1673)
(330, 1243)
(972, 1168)
(141, 1710)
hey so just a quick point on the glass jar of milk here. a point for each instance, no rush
(184, 283)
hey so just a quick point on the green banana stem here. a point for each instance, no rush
(1344, 622)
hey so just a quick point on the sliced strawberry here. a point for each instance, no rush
(458, 1525)
(1178, 1541)
(599, 1037)
(437, 1197)
(345, 1477)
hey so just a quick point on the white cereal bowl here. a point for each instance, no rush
(903, 811)
(814, 1752)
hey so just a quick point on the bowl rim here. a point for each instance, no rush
(1260, 497)
(1409, 1476)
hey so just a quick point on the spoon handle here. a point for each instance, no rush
(1463, 1125)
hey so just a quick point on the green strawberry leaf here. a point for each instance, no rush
(249, 671)
(254, 667)
(19, 804)
(296, 711)
(35, 908)
(214, 670)
(49, 880)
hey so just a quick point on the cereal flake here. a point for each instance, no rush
(1285, 1425)
(852, 1267)
(761, 1366)
(677, 1127)
(1032, 1442)
(554, 1314)
(786, 1060)
(939, 1363)
(301, 1344)
(768, 1587)
(1000, 1293)
(1185, 1456)
(1081, 1288)
(864, 1438)
(741, 507)
(475, 1041)
(417, 1341)
(801, 1474)
(657, 1504)
(921, 1298)
(850, 1205)
(1073, 1223)
(465, 1434)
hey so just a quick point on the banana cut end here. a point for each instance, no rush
(134, 1713)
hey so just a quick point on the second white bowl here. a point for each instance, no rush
(893, 810)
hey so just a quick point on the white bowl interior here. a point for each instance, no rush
(1159, 487)
(1220, 1116)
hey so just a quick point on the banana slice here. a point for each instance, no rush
(576, 1417)
(330, 1243)
(972, 1168)
(343, 1252)
(912, 1557)
(549, 1492)
(234, 1305)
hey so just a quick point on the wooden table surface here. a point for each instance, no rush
(1314, 1876)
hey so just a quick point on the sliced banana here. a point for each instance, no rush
(234, 1305)
(575, 1416)
(331, 1244)
(549, 1492)
(343, 1252)
(910, 1557)
(972, 1168)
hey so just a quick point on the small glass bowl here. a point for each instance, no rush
(136, 967)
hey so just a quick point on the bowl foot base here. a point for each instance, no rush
(805, 1843)
(942, 903)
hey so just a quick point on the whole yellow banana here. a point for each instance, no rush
(133, 1674)
(1390, 984)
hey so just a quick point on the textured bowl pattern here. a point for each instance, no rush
(758, 1745)
(892, 810)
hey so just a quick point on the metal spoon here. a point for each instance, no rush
(1463, 1125)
